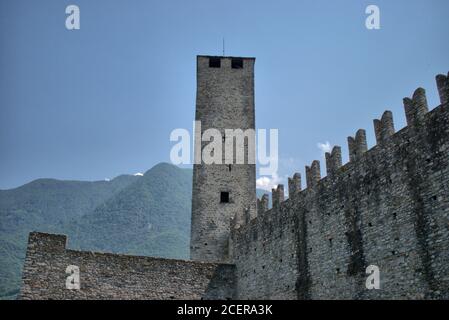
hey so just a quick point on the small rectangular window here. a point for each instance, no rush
(214, 62)
(237, 63)
(224, 197)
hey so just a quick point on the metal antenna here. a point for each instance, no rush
(223, 46)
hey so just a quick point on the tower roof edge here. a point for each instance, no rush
(225, 57)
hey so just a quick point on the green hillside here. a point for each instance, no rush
(44, 205)
(149, 217)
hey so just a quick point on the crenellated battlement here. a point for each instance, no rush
(277, 195)
(443, 87)
(313, 174)
(262, 204)
(357, 145)
(384, 127)
(324, 236)
(294, 184)
(415, 108)
(333, 161)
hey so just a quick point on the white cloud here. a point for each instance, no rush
(287, 165)
(267, 182)
(138, 174)
(324, 147)
(107, 179)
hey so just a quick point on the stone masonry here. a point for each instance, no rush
(387, 207)
(224, 100)
(117, 277)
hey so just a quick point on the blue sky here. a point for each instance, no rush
(97, 102)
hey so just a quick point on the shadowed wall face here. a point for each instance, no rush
(221, 192)
(388, 207)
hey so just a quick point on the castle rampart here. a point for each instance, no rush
(388, 206)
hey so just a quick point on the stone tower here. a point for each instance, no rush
(223, 194)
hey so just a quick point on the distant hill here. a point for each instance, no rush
(44, 205)
(149, 217)
(142, 215)
(44, 200)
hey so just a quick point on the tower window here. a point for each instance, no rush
(237, 63)
(214, 63)
(224, 197)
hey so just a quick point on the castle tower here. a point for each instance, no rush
(223, 194)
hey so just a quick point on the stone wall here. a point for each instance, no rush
(113, 276)
(224, 100)
(389, 207)
(265, 252)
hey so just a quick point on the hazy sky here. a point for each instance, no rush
(97, 102)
